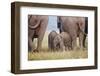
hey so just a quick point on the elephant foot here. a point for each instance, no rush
(35, 50)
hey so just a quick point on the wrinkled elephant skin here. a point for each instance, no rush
(74, 26)
(36, 29)
(66, 40)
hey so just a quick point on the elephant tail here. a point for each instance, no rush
(34, 26)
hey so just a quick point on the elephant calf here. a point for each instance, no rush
(66, 40)
(60, 41)
(55, 41)
(51, 37)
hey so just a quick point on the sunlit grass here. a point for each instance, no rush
(57, 55)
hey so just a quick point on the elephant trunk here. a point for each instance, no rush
(34, 26)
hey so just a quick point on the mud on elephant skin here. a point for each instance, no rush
(36, 29)
(74, 26)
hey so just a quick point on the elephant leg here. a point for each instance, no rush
(30, 44)
(74, 44)
(70, 46)
(74, 40)
(84, 38)
(30, 39)
(41, 36)
(39, 44)
(62, 45)
(81, 36)
(50, 44)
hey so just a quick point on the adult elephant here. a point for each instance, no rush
(36, 29)
(75, 26)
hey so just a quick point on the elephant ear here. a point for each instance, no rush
(61, 36)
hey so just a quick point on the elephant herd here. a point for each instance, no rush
(60, 41)
(69, 29)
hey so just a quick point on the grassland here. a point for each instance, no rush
(46, 54)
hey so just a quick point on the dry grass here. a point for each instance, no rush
(58, 55)
(46, 54)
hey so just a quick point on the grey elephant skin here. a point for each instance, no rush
(74, 26)
(55, 41)
(51, 37)
(36, 29)
(66, 40)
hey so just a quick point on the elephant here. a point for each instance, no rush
(51, 37)
(66, 40)
(74, 26)
(37, 25)
(58, 43)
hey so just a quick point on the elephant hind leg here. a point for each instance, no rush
(49, 43)
(81, 40)
(74, 43)
(84, 39)
(41, 36)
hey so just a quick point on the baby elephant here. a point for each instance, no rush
(55, 41)
(66, 40)
(58, 43)
(51, 37)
